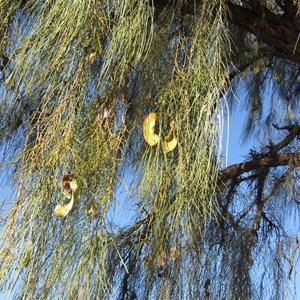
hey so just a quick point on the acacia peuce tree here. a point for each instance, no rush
(111, 134)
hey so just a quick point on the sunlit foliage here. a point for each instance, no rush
(77, 80)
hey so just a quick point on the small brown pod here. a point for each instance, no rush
(65, 184)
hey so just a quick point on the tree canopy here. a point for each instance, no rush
(112, 118)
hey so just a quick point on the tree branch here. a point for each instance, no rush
(281, 32)
(294, 132)
(236, 170)
(267, 160)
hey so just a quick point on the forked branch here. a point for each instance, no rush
(266, 160)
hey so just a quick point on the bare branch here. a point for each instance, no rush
(288, 127)
(255, 164)
(294, 132)
(291, 261)
(268, 160)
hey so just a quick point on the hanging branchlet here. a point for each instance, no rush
(130, 96)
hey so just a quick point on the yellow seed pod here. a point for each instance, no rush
(148, 129)
(170, 141)
(63, 210)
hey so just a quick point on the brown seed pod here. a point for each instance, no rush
(161, 259)
(65, 184)
(174, 253)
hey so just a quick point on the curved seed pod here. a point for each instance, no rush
(170, 141)
(65, 185)
(63, 210)
(148, 129)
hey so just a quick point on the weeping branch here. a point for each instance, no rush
(279, 31)
(92, 72)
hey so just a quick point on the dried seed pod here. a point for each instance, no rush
(170, 141)
(161, 260)
(65, 184)
(174, 253)
(63, 210)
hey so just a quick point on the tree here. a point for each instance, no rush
(104, 96)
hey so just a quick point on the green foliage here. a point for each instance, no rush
(62, 111)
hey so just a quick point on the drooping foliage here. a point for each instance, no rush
(149, 220)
